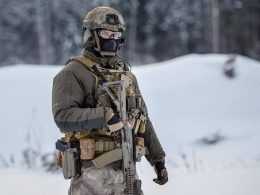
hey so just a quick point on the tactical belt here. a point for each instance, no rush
(104, 159)
(105, 146)
(101, 152)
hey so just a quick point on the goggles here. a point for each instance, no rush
(107, 34)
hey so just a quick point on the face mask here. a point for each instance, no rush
(109, 46)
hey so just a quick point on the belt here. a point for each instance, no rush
(105, 146)
(99, 153)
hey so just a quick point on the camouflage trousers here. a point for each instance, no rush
(94, 181)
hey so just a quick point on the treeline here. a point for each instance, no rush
(49, 32)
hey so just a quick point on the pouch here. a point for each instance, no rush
(87, 149)
(140, 148)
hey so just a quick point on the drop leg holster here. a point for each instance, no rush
(71, 164)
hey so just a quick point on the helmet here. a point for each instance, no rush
(105, 18)
(102, 18)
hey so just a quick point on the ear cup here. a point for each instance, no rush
(122, 41)
(84, 28)
(88, 40)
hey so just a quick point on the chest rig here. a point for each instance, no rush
(134, 106)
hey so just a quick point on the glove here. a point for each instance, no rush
(113, 122)
(162, 174)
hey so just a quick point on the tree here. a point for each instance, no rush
(49, 32)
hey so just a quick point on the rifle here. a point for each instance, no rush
(131, 184)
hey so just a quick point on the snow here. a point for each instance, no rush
(239, 182)
(31, 182)
(26, 109)
(188, 98)
(196, 99)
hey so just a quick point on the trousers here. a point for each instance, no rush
(95, 181)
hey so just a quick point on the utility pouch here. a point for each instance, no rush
(140, 148)
(138, 121)
(71, 165)
(87, 149)
(142, 125)
(140, 141)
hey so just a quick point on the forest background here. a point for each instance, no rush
(50, 32)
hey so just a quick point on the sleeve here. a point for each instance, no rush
(67, 99)
(155, 150)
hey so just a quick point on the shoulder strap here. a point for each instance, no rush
(83, 60)
(90, 65)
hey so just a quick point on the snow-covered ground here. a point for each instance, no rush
(237, 182)
(188, 98)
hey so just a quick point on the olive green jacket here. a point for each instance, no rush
(74, 106)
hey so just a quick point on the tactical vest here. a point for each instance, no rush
(135, 109)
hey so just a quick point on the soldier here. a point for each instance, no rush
(85, 113)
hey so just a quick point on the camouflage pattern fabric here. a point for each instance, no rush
(98, 18)
(95, 181)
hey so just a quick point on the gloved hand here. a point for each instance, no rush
(162, 174)
(112, 121)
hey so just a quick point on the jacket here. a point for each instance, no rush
(74, 100)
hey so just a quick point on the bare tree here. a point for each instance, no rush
(133, 23)
(41, 31)
(215, 26)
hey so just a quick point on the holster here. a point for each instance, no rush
(70, 163)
